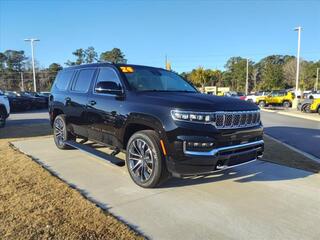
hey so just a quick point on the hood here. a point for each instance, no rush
(195, 101)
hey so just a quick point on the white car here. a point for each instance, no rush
(253, 97)
(313, 95)
(4, 109)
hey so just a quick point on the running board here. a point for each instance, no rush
(104, 156)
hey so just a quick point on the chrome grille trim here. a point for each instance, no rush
(239, 119)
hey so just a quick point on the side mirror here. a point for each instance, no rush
(108, 88)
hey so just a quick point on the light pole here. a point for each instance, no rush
(247, 77)
(32, 40)
(317, 80)
(295, 102)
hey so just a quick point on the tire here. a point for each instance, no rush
(3, 117)
(286, 104)
(262, 104)
(319, 110)
(61, 133)
(306, 108)
(144, 159)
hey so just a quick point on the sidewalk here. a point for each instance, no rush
(260, 200)
(294, 113)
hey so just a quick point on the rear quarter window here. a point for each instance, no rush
(83, 80)
(63, 79)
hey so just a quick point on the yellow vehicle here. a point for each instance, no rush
(315, 106)
(276, 98)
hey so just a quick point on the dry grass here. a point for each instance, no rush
(37, 205)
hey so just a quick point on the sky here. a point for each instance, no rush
(191, 33)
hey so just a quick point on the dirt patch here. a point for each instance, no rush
(36, 205)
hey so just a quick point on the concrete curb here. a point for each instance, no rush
(313, 118)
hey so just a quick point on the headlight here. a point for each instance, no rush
(189, 116)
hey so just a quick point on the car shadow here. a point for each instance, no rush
(258, 171)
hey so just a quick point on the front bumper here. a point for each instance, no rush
(220, 158)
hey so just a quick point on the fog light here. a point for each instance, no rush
(198, 146)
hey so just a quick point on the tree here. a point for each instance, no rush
(237, 71)
(271, 76)
(114, 56)
(53, 69)
(289, 71)
(3, 60)
(308, 74)
(90, 55)
(14, 60)
(272, 72)
(80, 57)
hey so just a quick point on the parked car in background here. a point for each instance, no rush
(4, 109)
(304, 106)
(253, 97)
(18, 102)
(41, 100)
(315, 106)
(276, 98)
(234, 94)
(314, 95)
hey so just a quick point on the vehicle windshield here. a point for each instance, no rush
(153, 79)
(10, 94)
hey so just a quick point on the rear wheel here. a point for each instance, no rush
(306, 108)
(61, 133)
(286, 104)
(144, 159)
(262, 104)
(3, 117)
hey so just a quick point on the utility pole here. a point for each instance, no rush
(22, 82)
(317, 80)
(247, 77)
(32, 40)
(295, 102)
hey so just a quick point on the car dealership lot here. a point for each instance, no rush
(260, 200)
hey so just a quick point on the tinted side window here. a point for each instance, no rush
(108, 75)
(83, 80)
(63, 79)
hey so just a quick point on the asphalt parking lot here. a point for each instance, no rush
(259, 200)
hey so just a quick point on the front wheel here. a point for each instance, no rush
(61, 133)
(262, 104)
(144, 159)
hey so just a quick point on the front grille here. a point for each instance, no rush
(231, 120)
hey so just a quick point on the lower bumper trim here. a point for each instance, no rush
(216, 151)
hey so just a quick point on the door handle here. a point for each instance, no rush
(92, 102)
(68, 100)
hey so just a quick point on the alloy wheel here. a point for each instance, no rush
(141, 160)
(59, 131)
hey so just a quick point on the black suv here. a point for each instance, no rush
(165, 126)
